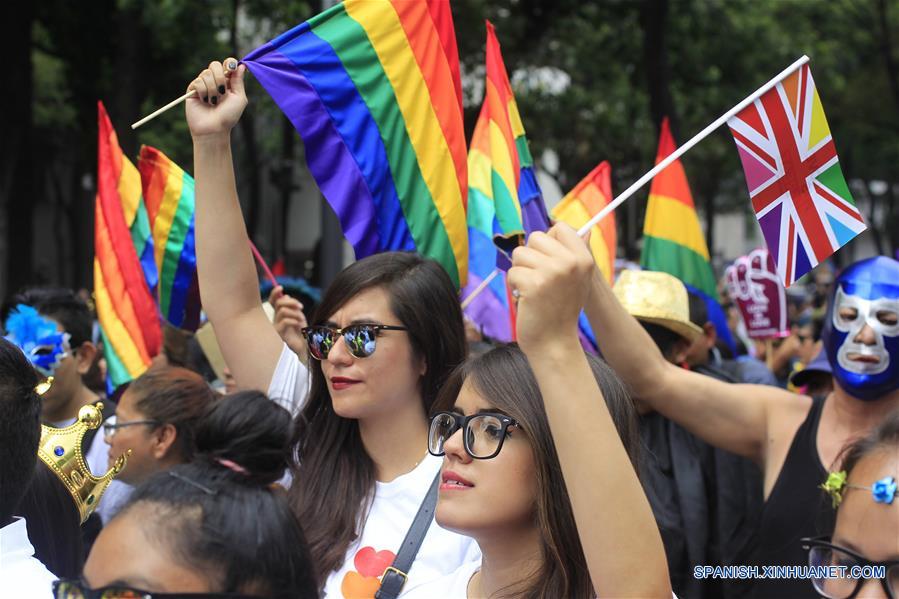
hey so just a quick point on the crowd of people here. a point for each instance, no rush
(376, 446)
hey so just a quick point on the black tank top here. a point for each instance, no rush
(796, 508)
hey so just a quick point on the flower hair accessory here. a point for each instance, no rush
(882, 491)
(834, 485)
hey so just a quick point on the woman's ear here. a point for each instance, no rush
(164, 439)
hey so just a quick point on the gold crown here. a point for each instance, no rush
(60, 449)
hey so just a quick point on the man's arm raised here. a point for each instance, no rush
(736, 418)
(228, 284)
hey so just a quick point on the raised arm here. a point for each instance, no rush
(228, 285)
(615, 524)
(737, 418)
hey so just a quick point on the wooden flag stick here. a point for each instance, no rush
(171, 104)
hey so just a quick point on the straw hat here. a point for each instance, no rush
(659, 298)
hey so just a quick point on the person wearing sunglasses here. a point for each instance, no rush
(382, 341)
(867, 523)
(212, 528)
(539, 454)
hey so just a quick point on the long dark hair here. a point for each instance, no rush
(54, 524)
(335, 477)
(504, 378)
(232, 523)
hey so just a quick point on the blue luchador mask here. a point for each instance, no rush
(865, 295)
(38, 337)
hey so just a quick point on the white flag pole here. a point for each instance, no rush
(684, 148)
(636, 185)
(477, 290)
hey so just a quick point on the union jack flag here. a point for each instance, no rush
(798, 191)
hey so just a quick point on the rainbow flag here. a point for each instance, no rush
(504, 200)
(373, 88)
(516, 196)
(169, 196)
(491, 309)
(673, 241)
(584, 202)
(126, 310)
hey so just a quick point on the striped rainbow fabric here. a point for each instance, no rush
(673, 241)
(374, 90)
(516, 195)
(168, 193)
(584, 202)
(489, 310)
(126, 310)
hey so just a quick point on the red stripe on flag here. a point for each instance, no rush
(760, 153)
(838, 202)
(791, 236)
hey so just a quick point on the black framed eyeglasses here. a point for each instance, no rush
(482, 434)
(77, 589)
(110, 428)
(361, 339)
(847, 571)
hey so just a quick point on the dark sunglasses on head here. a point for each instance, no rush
(482, 434)
(77, 589)
(360, 339)
(821, 552)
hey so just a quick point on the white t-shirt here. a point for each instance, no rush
(393, 508)
(21, 574)
(452, 586)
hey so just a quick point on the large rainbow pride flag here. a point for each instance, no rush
(584, 202)
(373, 88)
(128, 315)
(168, 193)
(673, 241)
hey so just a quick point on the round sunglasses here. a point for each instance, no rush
(360, 339)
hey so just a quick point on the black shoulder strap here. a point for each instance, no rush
(395, 576)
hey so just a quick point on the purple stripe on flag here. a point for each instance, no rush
(488, 312)
(770, 225)
(336, 172)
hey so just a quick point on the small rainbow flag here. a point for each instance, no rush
(169, 196)
(373, 88)
(584, 202)
(515, 192)
(490, 310)
(673, 241)
(126, 310)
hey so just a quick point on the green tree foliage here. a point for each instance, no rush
(592, 82)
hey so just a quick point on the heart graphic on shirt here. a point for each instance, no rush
(356, 586)
(369, 562)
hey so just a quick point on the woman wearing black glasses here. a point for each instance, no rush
(387, 333)
(862, 558)
(538, 464)
(155, 419)
(217, 527)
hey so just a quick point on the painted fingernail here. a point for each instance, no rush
(215, 100)
(232, 65)
(206, 99)
(221, 89)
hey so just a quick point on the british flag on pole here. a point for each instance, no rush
(798, 191)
